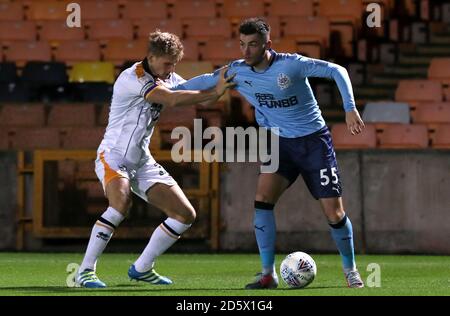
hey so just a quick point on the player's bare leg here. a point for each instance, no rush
(119, 197)
(342, 233)
(270, 187)
(181, 214)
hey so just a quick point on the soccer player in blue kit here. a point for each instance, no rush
(276, 85)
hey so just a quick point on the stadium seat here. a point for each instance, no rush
(183, 9)
(308, 29)
(35, 138)
(110, 29)
(91, 92)
(21, 52)
(69, 51)
(103, 115)
(341, 10)
(8, 72)
(145, 9)
(416, 91)
(384, 112)
(11, 11)
(291, 8)
(72, 115)
(45, 80)
(404, 136)
(205, 29)
(55, 31)
(275, 26)
(47, 10)
(310, 50)
(175, 116)
(99, 10)
(17, 31)
(285, 45)
(14, 92)
(118, 51)
(145, 27)
(441, 138)
(190, 69)
(4, 139)
(221, 52)
(92, 72)
(83, 138)
(343, 139)
(439, 70)
(191, 49)
(23, 115)
(433, 113)
(235, 10)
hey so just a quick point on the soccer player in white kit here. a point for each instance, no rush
(124, 164)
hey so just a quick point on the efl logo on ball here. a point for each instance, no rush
(298, 269)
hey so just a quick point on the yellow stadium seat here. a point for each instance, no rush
(92, 72)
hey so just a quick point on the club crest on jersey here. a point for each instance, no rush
(283, 81)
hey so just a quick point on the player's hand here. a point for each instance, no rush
(355, 125)
(224, 83)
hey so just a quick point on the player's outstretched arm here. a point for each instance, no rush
(355, 124)
(162, 95)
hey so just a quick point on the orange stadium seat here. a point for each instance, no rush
(83, 138)
(145, 27)
(35, 138)
(103, 115)
(119, 51)
(11, 11)
(21, 52)
(204, 29)
(54, 31)
(110, 29)
(440, 70)
(145, 9)
(191, 49)
(441, 137)
(69, 51)
(238, 9)
(341, 10)
(72, 115)
(17, 31)
(221, 52)
(433, 113)
(285, 45)
(416, 91)
(404, 136)
(175, 116)
(194, 9)
(47, 10)
(190, 69)
(308, 29)
(25, 115)
(92, 72)
(4, 139)
(291, 8)
(312, 51)
(343, 139)
(99, 10)
(275, 27)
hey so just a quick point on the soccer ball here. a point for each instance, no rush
(298, 269)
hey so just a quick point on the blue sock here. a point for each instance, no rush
(265, 232)
(342, 233)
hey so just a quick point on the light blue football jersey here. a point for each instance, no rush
(281, 94)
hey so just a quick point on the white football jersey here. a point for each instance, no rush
(131, 118)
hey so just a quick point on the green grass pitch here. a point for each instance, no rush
(219, 275)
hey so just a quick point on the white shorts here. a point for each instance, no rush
(108, 167)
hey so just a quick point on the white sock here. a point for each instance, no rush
(101, 233)
(164, 236)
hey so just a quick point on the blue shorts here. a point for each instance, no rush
(314, 158)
